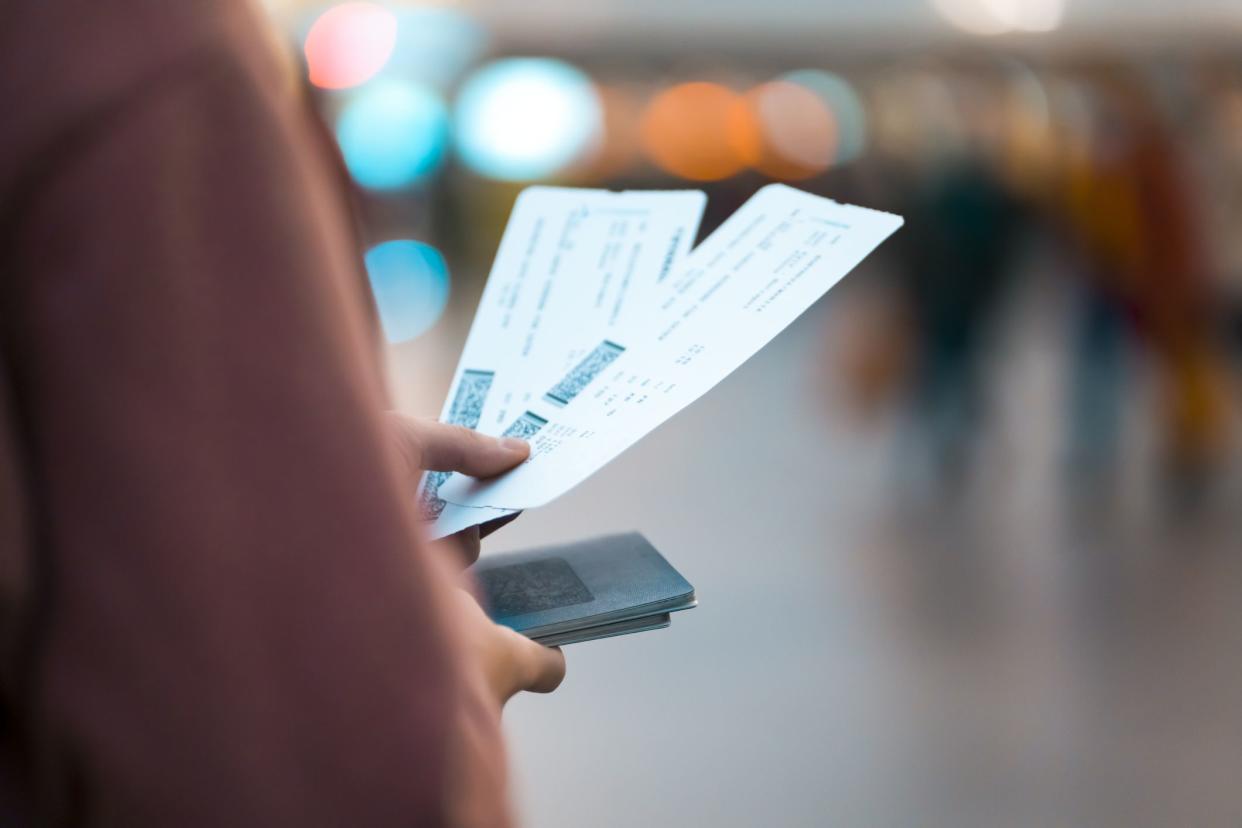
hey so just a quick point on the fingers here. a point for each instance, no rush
(442, 447)
(509, 661)
(463, 546)
(487, 527)
(545, 666)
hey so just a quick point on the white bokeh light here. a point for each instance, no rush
(994, 17)
(523, 119)
(1028, 15)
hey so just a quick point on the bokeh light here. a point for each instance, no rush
(393, 134)
(349, 44)
(848, 112)
(993, 17)
(700, 131)
(522, 119)
(410, 281)
(798, 137)
(973, 16)
(1029, 15)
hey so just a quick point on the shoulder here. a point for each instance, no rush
(67, 66)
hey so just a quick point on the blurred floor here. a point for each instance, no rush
(866, 655)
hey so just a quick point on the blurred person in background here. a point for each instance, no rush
(1132, 216)
(997, 169)
(217, 606)
(953, 263)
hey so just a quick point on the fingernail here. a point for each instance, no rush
(513, 444)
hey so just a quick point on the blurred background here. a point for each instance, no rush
(966, 537)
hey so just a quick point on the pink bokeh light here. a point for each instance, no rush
(349, 43)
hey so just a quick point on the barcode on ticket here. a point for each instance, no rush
(466, 409)
(580, 375)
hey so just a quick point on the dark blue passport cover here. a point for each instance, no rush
(557, 589)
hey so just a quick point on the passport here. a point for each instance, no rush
(582, 591)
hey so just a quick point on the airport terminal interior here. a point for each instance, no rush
(966, 536)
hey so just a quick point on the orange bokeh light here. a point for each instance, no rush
(349, 44)
(700, 131)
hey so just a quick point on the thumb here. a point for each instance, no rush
(442, 447)
(545, 667)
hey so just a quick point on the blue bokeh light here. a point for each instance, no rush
(410, 281)
(522, 119)
(393, 134)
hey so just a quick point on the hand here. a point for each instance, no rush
(510, 661)
(428, 445)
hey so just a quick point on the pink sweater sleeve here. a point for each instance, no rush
(225, 613)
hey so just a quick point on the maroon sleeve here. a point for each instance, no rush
(239, 624)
